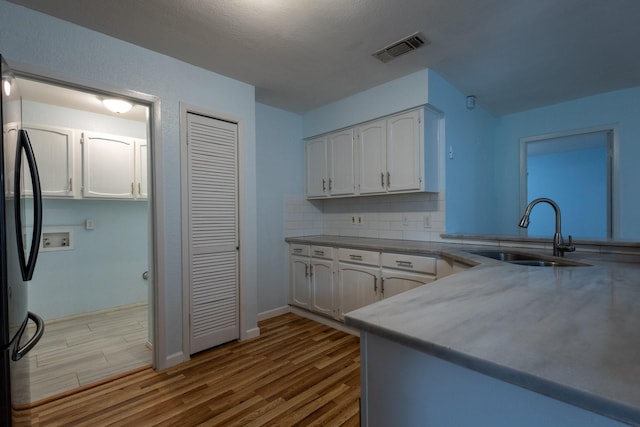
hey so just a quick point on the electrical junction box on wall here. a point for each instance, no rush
(56, 239)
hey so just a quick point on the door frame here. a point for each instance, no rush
(157, 284)
(243, 332)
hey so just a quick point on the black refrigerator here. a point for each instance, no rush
(20, 231)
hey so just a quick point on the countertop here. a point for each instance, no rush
(571, 333)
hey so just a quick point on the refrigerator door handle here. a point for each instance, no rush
(27, 267)
(18, 353)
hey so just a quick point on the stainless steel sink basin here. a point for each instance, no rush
(524, 259)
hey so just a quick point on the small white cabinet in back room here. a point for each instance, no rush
(53, 149)
(141, 173)
(113, 167)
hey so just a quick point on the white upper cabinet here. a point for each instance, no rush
(404, 138)
(53, 150)
(395, 154)
(316, 156)
(108, 166)
(341, 163)
(372, 156)
(141, 187)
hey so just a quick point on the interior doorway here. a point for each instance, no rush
(575, 169)
(92, 283)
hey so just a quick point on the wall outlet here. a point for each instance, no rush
(405, 219)
(426, 221)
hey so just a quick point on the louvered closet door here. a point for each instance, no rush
(213, 231)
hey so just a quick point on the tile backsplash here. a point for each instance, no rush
(419, 216)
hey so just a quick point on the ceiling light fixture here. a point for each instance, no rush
(7, 87)
(117, 105)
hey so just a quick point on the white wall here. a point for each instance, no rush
(280, 168)
(45, 45)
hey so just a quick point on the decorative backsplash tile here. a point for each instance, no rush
(399, 216)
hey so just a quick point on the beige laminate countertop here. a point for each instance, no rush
(571, 333)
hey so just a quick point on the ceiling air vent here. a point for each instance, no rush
(406, 45)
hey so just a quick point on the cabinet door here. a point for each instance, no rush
(53, 149)
(108, 166)
(372, 155)
(395, 282)
(358, 287)
(341, 163)
(316, 153)
(322, 298)
(300, 281)
(403, 151)
(141, 178)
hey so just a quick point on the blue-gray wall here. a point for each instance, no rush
(280, 168)
(619, 108)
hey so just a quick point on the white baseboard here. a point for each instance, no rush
(273, 313)
(173, 360)
(325, 321)
(252, 333)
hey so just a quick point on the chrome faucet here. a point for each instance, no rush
(559, 246)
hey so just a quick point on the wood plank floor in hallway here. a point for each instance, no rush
(298, 372)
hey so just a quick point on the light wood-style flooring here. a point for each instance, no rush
(79, 351)
(296, 373)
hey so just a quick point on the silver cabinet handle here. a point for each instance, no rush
(297, 250)
(70, 184)
(388, 179)
(310, 270)
(139, 189)
(404, 263)
(319, 253)
(306, 270)
(356, 257)
(382, 179)
(324, 185)
(330, 183)
(375, 284)
(382, 285)
(132, 188)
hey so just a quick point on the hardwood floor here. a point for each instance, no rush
(82, 350)
(298, 372)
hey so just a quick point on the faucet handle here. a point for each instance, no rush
(570, 247)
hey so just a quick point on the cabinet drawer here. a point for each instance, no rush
(415, 263)
(322, 252)
(359, 256)
(297, 249)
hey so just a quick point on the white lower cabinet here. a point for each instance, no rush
(358, 286)
(394, 282)
(335, 281)
(401, 272)
(300, 281)
(322, 289)
(312, 279)
(359, 281)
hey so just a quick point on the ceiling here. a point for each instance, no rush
(512, 54)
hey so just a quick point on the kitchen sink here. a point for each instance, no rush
(524, 259)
